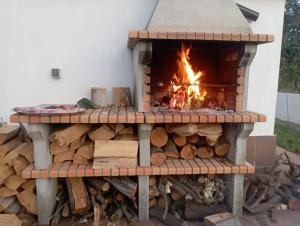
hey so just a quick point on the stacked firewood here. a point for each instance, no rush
(186, 197)
(16, 153)
(187, 141)
(95, 199)
(279, 187)
(77, 142)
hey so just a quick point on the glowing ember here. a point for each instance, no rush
(186, 84)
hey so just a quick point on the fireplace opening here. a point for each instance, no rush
(195, 76)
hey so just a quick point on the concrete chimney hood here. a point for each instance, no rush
(216, 16)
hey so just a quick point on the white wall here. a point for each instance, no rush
(288, 107)
(87, 39)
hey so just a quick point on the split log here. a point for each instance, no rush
(6, 192)
(6, 171)
(99, 184)
(8, 146)
(13, 154)
(10, 220)
(29, 185)
(9, 205)
(8, 131)
(77, 143)
(222, 148)
(70, 134)
(194, 139)
(55, 148)
(157, 156)
(171, 150)
(152, 202)
(211, 131)
(159, 137)
(66, 209)
(100, 163)
(97, 216)
(86, 151)
(185, 130)
(20, 163)
(122, 97)
(64, 156)
(205, 152)
(117, 148)
(13, 182)
(127, 130)
(117, 127)
(188, 152)
(179, 140)
(27, 152)
(126, 137)
(196, 211)
(124, 185)
(80, 160)
(29, 201)
(78, 196)
(99, 96)
(104, 132)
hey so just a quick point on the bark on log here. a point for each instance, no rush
(124, 185)
(157, 156)
(20, 163)
(179, 140)
(98, 183)
(205, 152)
(159, 137)
(171, 150)
(188, 152)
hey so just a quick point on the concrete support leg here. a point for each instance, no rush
(144, 131)
(237, 135)
(46, 188)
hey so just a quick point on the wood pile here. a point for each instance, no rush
(280, 187)
(16, 155)
(83, 143)
(187, 141)
(174, 199)
(95, 199)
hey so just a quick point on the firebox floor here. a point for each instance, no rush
(129, 115)
(170, 167)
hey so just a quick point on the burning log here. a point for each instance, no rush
(205, 152)
(159, 137)
(157, 156)
(171, 150)
(188, 152)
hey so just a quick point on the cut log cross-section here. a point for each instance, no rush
(222, 148)
(179, 140)
(205, 152)
(159, 137)
(188, 152)
(8, 131)
(157, 156)
(171, 150)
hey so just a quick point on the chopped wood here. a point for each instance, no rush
(27, 152)
(29, 185)
(179, 140)
(115, 162)
(66, 209)
(10, 220)
(6, 171)
(99, 96)
(64, 156)
(185, 130)
(86, 151)
(56, 148)
(152, 202)
(124, 185)
(171, 150)
(157, 156)
(20, 163)
(176, 195)
(5, 203)
(126, 137)
(118, 127)
(8, 131)
(104, 132)
(77, 143)
(222, 148)
(6, 192)
(8, 146)
(14, 208)
(117, 215)
(205, 152)
(188, 152)
(97, 216)
(122, 96)
(98, 183)
(80, 160)
(13, 182)
(70, 134)
(13, 154)
(78, 196)
(117, 148)
(152, 180)
(153, 192)
(159, 137)
(29, 201)
(211, 131)
(127, 130)
(194, 139)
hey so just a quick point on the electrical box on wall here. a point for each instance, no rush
(56, 73)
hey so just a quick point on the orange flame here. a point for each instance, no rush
(187, 87)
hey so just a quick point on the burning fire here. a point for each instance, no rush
(186, 84)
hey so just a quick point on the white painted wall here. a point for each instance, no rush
(288, 107)
(87, 39)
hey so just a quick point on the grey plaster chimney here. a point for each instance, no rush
(221, 16)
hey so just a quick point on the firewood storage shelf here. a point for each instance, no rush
(237, 125)
(171, 167)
